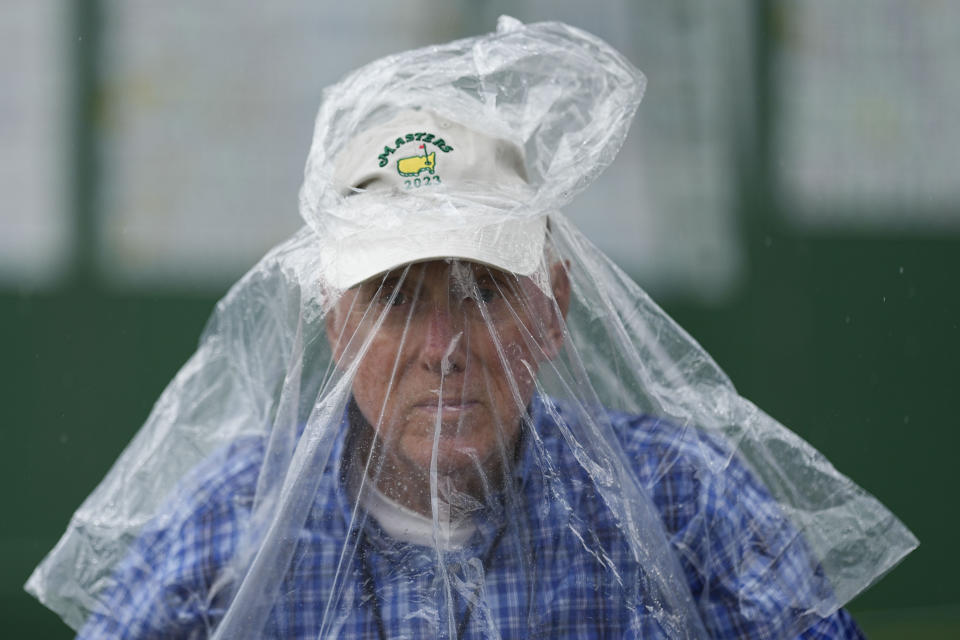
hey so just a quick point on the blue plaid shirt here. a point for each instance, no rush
(748, 571)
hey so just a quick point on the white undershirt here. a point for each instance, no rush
(407, 525)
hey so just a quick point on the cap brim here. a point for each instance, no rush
(515, 246)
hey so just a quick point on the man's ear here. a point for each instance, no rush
(560, 286)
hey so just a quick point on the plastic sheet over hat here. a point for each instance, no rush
(450, 450)
(564, 96)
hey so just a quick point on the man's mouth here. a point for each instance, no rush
(448, 406)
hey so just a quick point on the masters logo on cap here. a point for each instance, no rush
(411, 166)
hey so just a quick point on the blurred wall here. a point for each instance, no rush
(789, 193)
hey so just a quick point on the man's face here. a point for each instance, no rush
(452, 349)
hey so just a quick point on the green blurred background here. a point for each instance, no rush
(790, 193)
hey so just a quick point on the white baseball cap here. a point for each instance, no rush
(421, 187)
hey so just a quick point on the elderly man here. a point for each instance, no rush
(453, 330)
(439, 412)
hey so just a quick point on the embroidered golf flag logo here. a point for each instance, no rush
(414, 165)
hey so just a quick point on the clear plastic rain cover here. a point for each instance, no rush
(439, 411)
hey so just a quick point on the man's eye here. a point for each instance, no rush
(487, 294)
(393, 298)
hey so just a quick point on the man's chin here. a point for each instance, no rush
(454, 458)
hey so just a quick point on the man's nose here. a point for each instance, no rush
(443, 350)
